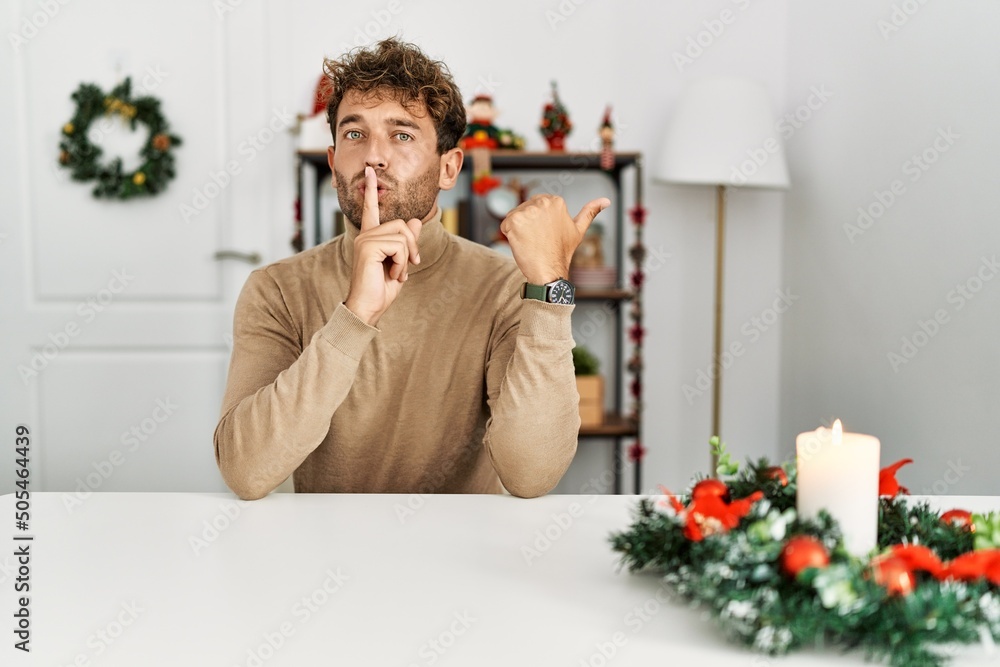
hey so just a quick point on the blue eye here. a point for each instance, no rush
(405, 137)
(353, 134)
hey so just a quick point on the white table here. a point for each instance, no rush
(346, 580)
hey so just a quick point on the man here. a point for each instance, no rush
(397, 357)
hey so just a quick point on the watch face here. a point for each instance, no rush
(562, 291)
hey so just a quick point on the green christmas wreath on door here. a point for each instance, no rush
(82, 156)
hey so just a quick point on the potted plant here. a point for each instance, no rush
(590, 385)
(555, 125)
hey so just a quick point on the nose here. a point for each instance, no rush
(376, 157)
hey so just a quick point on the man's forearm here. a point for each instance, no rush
(270, 424)
(532, 434)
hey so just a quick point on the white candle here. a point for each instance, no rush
(838, 472)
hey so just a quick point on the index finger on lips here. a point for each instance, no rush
(369, 213)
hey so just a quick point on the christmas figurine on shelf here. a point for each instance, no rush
(587, 269)
(555, 125)
(482, 136)
(607, 133)
(590, 253)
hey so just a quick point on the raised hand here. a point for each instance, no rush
(382, 254)
(543, 237)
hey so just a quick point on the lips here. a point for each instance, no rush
(381, 188)
(381, 191)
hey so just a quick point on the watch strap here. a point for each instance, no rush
(539, 292)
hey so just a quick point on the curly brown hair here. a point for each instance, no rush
(401, 71)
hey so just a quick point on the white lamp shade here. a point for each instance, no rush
(723, 132)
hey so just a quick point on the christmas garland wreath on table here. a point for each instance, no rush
(776, 582)
(82, 156)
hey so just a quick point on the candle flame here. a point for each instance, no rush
(838, 431)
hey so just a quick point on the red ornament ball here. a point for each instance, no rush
(894, 574)
(776, 472)
(960, 518)
(161, 142)
(710, 488)
(801, 552)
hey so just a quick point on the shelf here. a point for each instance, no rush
(509, 159)
(603, 295)
(317, 158)
(614, 426)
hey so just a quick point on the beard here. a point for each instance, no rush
(403, 200)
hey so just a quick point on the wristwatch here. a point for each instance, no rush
(559, 291)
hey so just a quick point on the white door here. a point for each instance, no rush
(115, 316)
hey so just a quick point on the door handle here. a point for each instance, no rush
(248, 257)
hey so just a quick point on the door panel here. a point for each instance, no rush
(116, 316)
(147, 429)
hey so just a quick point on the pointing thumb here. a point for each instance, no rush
(589, 212)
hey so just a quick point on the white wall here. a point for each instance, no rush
(602, 52)
(864, 290)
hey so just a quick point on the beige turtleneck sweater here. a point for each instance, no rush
(463, 386)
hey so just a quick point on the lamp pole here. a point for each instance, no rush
(720, 245)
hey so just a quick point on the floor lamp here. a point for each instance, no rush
(722, 133)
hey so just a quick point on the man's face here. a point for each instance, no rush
(400, 143)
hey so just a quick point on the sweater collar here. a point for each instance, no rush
(432, 242)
